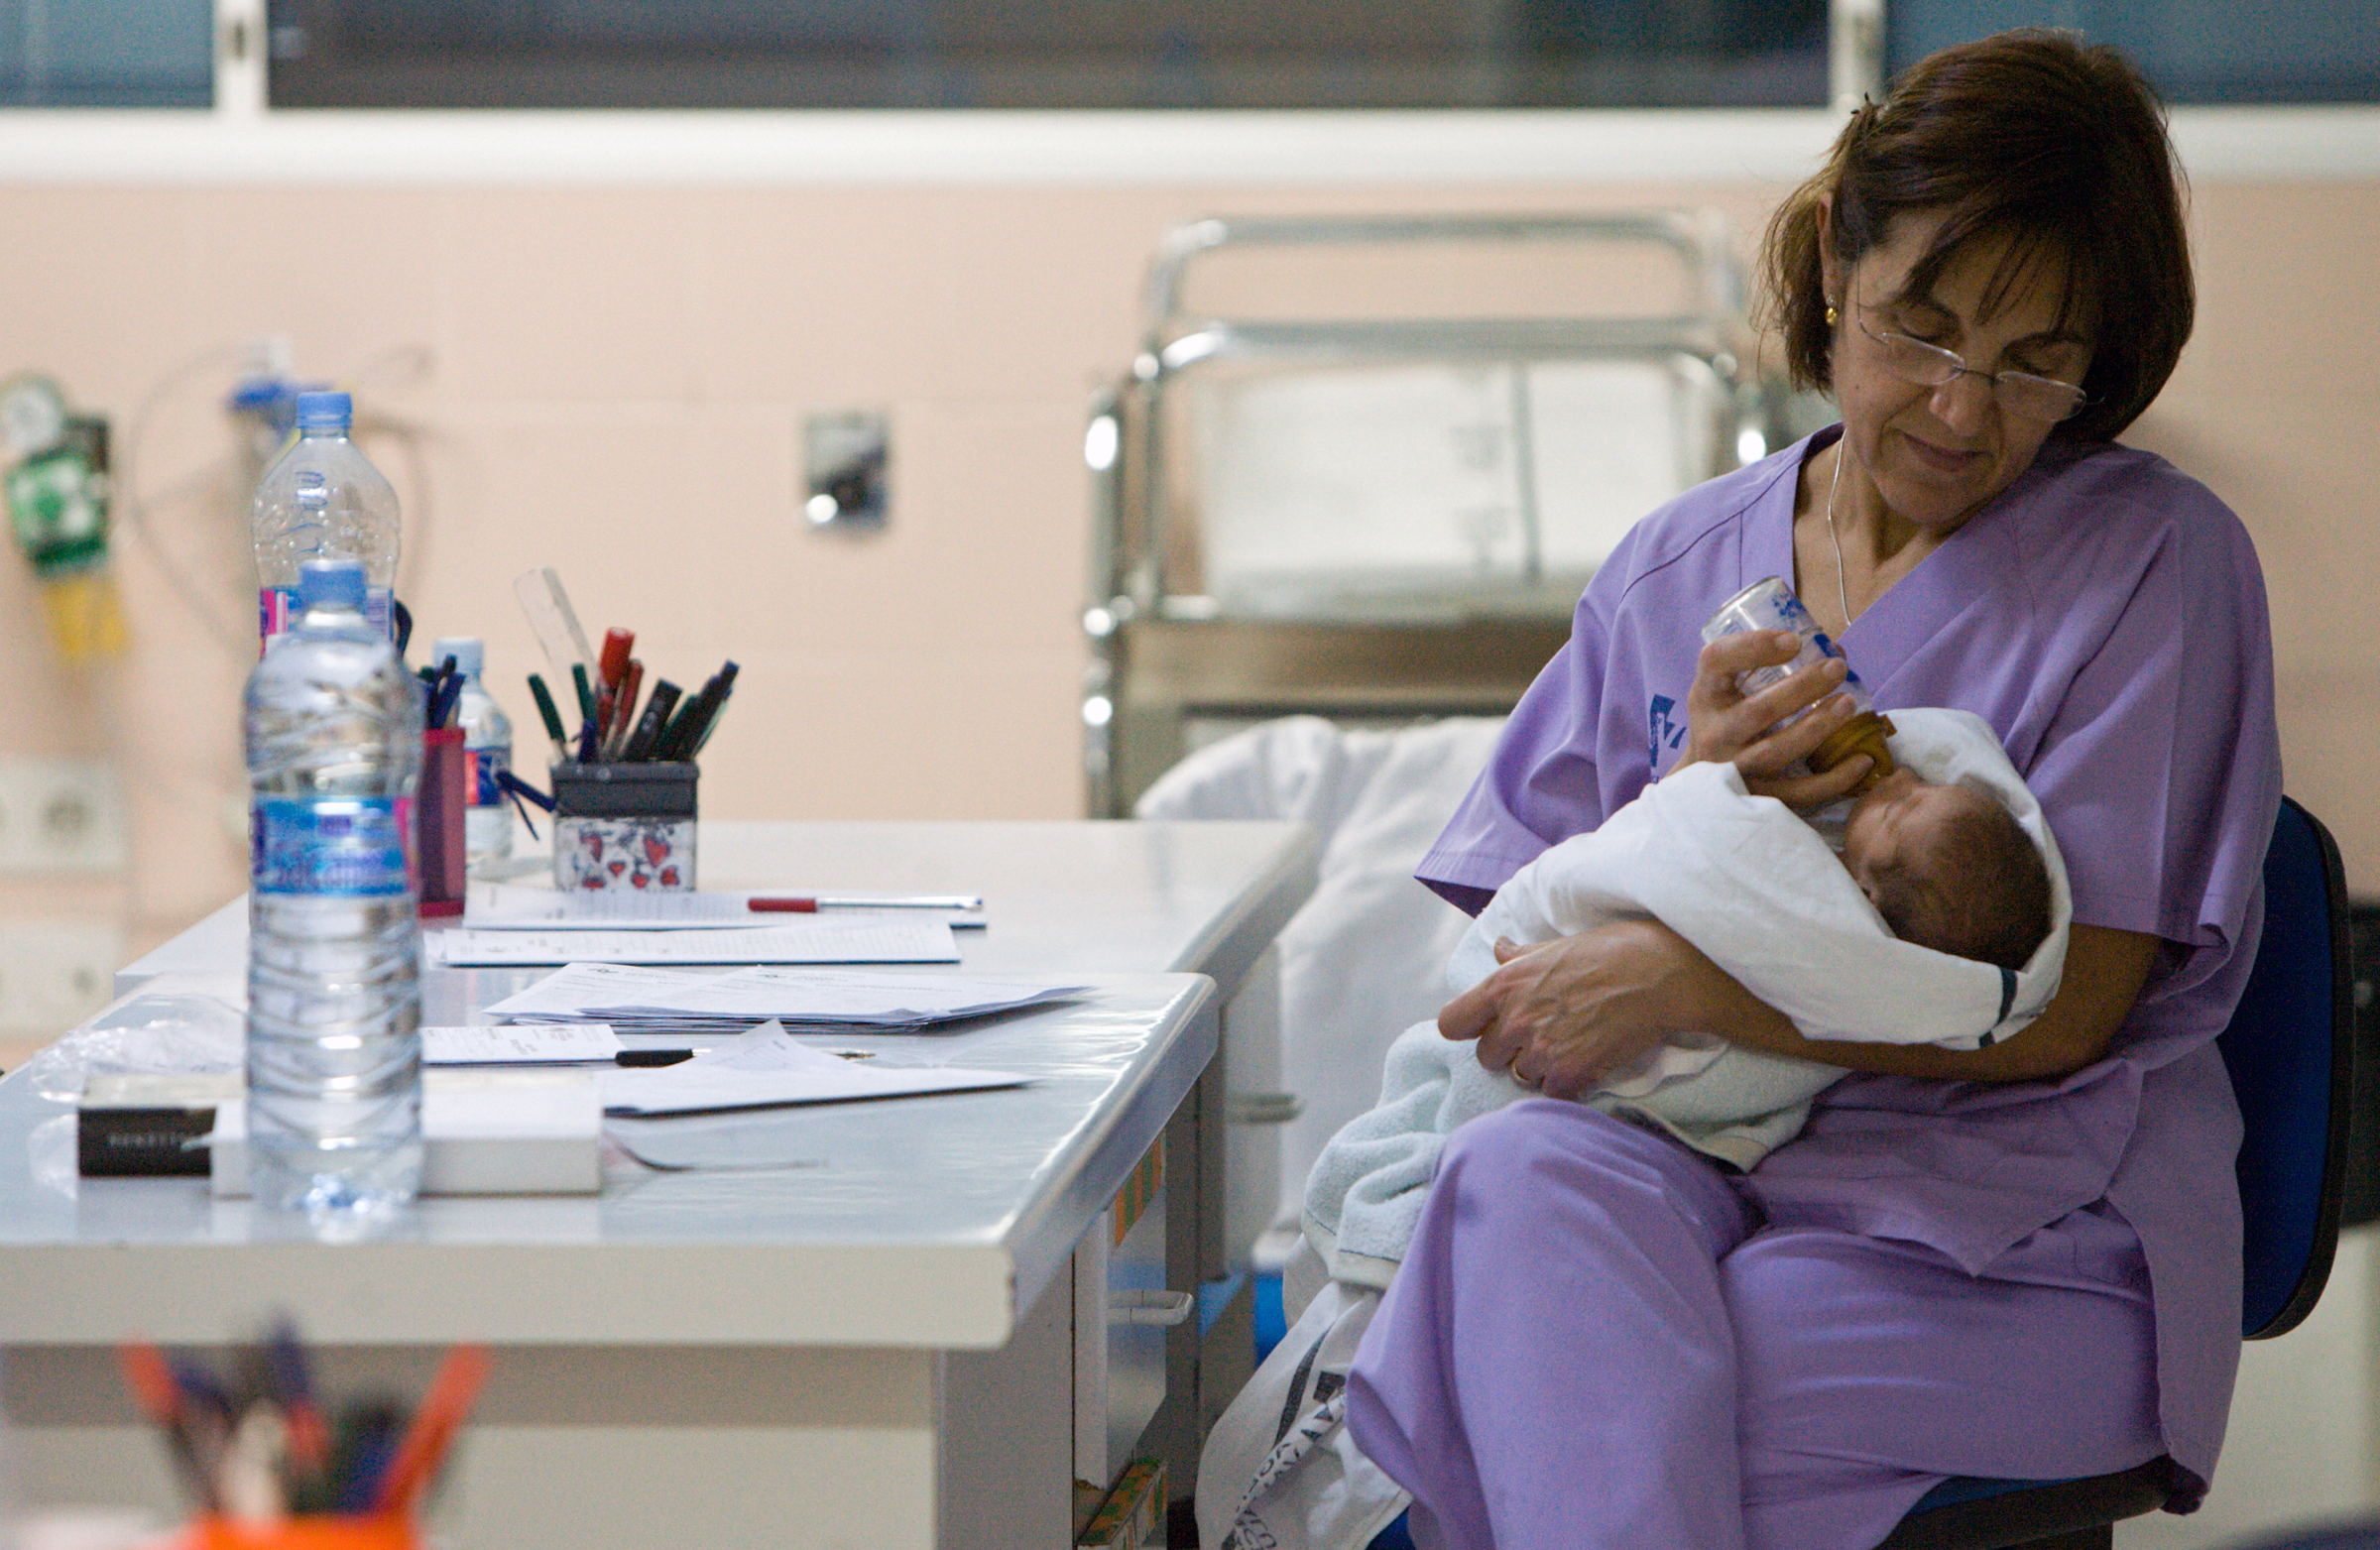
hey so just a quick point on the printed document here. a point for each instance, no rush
(769, 1068)
(632, 997)
(881, 938)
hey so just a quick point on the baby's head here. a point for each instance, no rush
(1949, 868)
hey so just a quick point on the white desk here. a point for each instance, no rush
(848, 1344)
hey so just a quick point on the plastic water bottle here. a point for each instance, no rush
(486, 745)
(323, 500)
(334, 1054)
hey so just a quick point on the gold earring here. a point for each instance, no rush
(1832, 315)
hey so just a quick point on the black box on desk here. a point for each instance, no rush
(624, 825)
(145, 1125)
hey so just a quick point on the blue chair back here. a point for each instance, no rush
(2289, 1049)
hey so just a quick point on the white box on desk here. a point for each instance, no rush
(486, 1132)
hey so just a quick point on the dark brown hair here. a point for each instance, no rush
(1979, 891)
(2028, 135)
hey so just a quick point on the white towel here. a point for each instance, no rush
(1757, 889)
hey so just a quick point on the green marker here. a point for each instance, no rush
(552, 717)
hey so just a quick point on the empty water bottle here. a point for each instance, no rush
(334, 1054)
(322, 499)
(487, 749)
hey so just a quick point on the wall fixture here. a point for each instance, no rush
(844, 458)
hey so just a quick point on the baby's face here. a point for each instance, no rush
(1899, 823)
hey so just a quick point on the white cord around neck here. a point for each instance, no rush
(1842, 593)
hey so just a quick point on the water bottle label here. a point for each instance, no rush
(486, 764)
(346, 846)
(273, 605)
(277, 605)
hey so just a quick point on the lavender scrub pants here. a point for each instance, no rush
(1598, 1339)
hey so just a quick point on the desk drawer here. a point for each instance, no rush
(1122, 1311)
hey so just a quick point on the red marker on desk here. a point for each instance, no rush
(812, 905)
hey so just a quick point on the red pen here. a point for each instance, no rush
(435, 1425)
(812, 903)
(617, 644)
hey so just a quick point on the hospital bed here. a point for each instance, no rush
(1382, 506)
(1335, 539)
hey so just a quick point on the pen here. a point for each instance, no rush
(552, 717)
(425, 1441)
(152, 1380)
(812, 905)
(642, 741)
(586, 693)
(693, 723)
(617, 644)
(367, 1435)
(293, 1390)
(445, 695)
(522, 794)
(624, 709)
(727, 685)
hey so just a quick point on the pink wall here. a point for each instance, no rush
(615, 384)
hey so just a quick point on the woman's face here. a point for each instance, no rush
(1934, 455)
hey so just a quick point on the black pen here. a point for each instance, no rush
(726, 686)
(657, 707)
(686, 733)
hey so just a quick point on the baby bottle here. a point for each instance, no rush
(1769, 604)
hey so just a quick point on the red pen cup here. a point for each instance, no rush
(438, 820)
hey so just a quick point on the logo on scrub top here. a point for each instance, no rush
(1668, 729)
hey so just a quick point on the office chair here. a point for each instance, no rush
(2288, 1048)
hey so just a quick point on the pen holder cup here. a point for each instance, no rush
(623, 826)
(377, 1531)
(438, 821)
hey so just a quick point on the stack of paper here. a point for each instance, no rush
(639, 1000)
(767, 1068)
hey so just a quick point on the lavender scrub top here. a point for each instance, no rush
(2106, 614)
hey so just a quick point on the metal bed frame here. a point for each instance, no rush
(1165, 653)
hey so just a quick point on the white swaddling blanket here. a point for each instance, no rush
(1757, 889)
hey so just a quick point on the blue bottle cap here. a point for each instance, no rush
(331, 583)
(324, 412)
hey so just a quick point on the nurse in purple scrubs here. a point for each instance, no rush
(2021, 1262)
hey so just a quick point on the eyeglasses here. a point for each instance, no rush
(2018, 393)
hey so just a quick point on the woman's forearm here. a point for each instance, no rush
(2104, 975)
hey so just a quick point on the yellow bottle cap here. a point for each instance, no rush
(1862, 734)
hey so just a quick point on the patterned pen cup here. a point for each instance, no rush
(623, 826)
